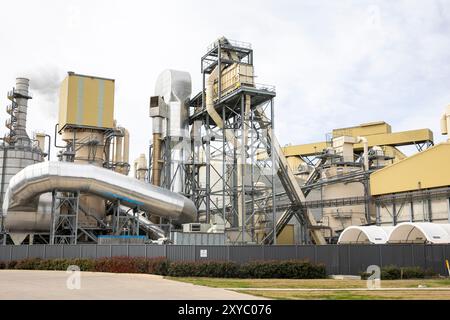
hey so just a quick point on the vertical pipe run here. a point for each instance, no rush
(240, 173)
(430, 211)
(208, 171)
(156, 161)
(224, 158)
(378, 213)
(272, 154)
(126, 147)
(394, 214)
(156, 154)
(448, 211)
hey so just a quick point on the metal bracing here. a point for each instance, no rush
(424, 145)
(122, 222)
(239, 151)
(228, 177)
(64, 227)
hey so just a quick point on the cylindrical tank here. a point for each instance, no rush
(13, 159)
(19, 154)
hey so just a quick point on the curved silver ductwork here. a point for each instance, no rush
(26, 187)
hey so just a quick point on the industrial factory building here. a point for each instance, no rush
(215, 173)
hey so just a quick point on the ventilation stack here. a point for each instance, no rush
(17, 150)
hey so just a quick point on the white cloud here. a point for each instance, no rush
(334, 63)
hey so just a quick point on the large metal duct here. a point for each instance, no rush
(25, 188)
(175, 88)
(31, 222)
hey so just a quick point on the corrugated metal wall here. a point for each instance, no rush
(338, 259)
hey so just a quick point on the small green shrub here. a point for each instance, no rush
(390, 273)
(395, 273)
(290, 269)
(159, 266)
(412, 273)
(28, 264)
(216, 269)
(84, 264)
(430, 273)
(118, 265)
(11, 264)
(293, 269)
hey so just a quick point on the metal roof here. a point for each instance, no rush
(422, 232)
(365, 234)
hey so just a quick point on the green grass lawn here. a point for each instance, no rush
(352, 295)
(309, 284)
(328, 284)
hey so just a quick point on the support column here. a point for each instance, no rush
(430, 211)
(394, 214)
(272, 155)
(378, 214)
(448, 211)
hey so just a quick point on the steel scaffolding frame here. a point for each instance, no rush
(64, 227)
(242, 187)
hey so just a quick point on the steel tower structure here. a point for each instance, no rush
(230, 145)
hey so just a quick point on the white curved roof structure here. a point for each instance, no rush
(420, 232)
(365, 235)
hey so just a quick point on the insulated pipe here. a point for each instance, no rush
(366, 151)
(26, 186)
(156, 155)
(175, 88)
(126, 146)
(156, 161)
(30, 222)
(119, 149)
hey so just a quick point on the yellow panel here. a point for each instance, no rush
(402, 138)
(63, 101)
(427, 169)
(304, 149)
(86, 101)
(287, 235)
(385, 139)
(365, 129)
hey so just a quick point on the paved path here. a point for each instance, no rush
(25, 284)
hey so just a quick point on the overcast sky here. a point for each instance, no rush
(334, 63)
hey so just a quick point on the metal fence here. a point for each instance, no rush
(338, 259)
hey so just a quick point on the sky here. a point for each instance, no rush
(334, 63)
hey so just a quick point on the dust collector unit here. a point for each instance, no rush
(86, 101)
